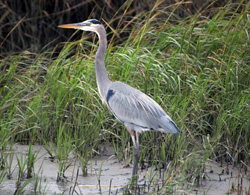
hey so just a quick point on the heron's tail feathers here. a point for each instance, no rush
(168, 125)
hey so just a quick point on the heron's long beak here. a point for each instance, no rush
(75, 25)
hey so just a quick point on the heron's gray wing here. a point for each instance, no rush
(137, 110)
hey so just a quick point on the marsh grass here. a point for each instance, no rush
(197, 69)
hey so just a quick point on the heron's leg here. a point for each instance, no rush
(138, 140)
(136, 151)
(137, 147)
(136, 156)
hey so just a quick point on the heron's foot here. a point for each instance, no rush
(134, 179)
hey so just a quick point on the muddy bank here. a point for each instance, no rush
(107, 175)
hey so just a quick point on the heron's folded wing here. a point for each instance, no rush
(130, 105)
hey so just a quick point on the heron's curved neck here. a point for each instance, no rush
(103, 81)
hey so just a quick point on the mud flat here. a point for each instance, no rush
(106, 175)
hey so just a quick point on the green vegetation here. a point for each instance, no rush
(196, 68)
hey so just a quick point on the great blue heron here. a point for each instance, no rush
(137, 111)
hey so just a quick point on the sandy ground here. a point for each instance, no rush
(216, 181)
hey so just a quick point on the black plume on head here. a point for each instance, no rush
(94, 21)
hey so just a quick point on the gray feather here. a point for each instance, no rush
(137, 110)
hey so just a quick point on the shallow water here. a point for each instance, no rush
(110, 170)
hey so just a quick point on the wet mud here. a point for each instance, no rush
(106, 175)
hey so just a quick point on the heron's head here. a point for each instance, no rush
(89, 25)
